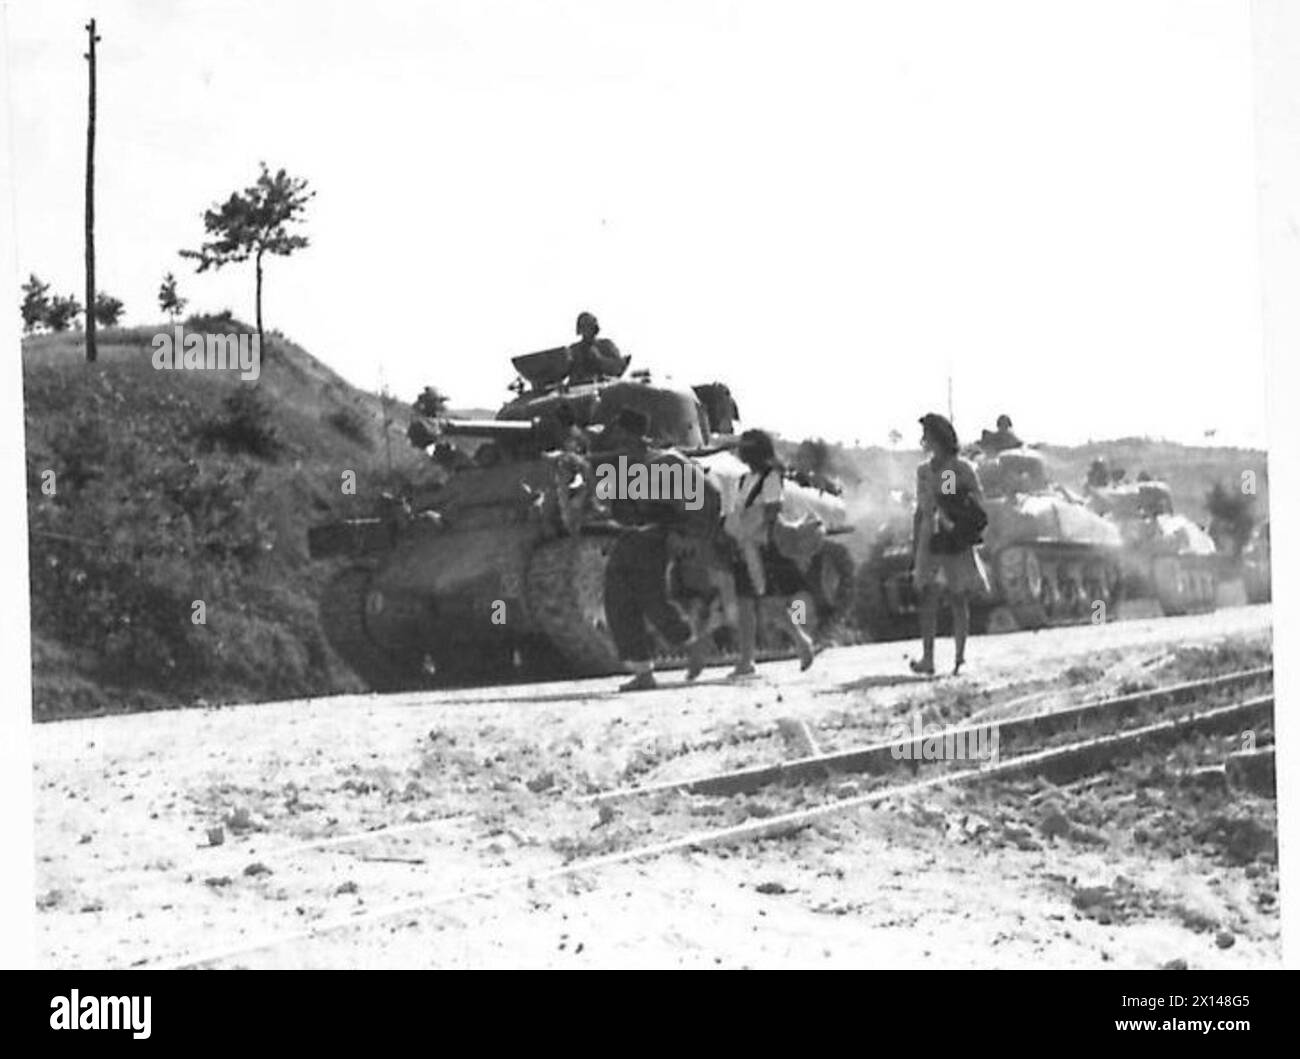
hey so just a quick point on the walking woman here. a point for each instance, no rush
(945, 529)
(759, 569)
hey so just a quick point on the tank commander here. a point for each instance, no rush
(592, 358)
(1098, 474)
(995, 441)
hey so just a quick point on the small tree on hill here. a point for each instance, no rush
(36, 303)
(253, 223)
(108, 310)
(169, 301)
(62, 312)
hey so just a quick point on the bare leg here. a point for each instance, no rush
(747, 629)
(929, 625)
(802, 641)
(960, 628)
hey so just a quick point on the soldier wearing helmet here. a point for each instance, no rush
(995, 441)
(592, 358)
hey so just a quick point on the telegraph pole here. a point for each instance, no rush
(92, 353)
(386, 401)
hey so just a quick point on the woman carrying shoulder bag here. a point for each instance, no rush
(948, 524)
(758, 568)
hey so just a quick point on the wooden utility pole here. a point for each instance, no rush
(386, 401)
(91, 351)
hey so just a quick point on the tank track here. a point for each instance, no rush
(565, 582)
(832, 578)
(1184, 584)
(1048, 586)
(343, 620)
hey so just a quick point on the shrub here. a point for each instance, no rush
(351, 423)
(244, 425)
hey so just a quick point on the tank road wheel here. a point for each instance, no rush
(566, 596)
(1096, 588)
(871, 605)
(831, 580)
(1022, 585)
(1207, 587)
(1073, 596)
(1170, 584)
(1000, 620)
(343, 620)
(1051, 596)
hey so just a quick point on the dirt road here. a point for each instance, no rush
(168, 837)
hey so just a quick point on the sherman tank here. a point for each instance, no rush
(1166, 556)
(1050, 557)
(495, 570)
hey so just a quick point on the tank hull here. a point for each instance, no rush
(496, 591)
(1050, 562)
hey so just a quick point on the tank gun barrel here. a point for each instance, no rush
(487, 428)
(424, 431)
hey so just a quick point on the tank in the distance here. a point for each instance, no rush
(1051, 559)
(1167, 556)
(497, 572)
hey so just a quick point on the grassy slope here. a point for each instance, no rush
(146, 520)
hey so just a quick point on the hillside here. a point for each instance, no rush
(173, 488)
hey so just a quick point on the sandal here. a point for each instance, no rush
(695, 659)
(806, 660)
(640, 682)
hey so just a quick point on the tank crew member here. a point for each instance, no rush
(1098, 474)
(759, 569)
(943, 552)
(593, 358)
(995, 441)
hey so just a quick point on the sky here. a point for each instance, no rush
(832, 207)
